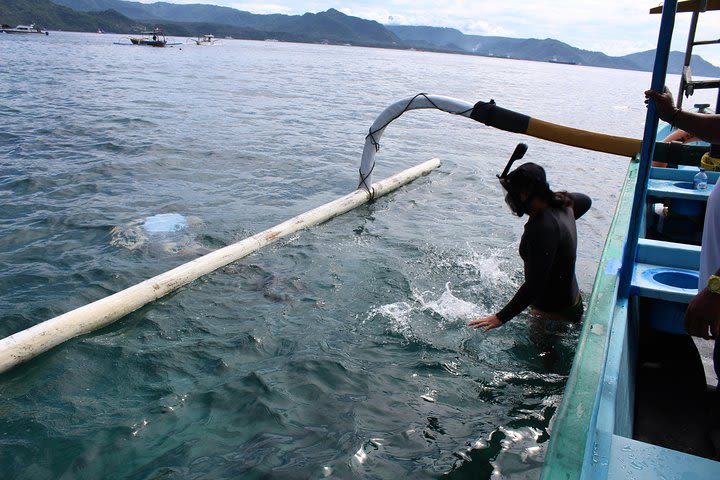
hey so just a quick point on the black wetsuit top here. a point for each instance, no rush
(548, 249)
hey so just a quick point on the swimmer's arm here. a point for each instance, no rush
(522, 299)
(581, 204)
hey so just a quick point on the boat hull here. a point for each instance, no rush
(15, 31)
(148, 43)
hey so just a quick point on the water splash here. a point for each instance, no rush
(426, 317)
(450, 308)
(486, 267)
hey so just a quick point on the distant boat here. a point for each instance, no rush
(205, 40)
(155, 38)
(556, 60)
(32, 28)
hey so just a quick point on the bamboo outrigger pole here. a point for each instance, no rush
(27, 344)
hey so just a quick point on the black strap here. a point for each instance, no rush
(493, 116)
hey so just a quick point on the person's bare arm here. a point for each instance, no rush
(703, 126)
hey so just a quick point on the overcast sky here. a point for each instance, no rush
(614, 27)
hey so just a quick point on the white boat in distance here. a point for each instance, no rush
(205, 40)
(32, 28)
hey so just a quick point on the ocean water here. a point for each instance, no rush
(340, 352)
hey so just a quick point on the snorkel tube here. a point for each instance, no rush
(512, 197)
(516, 155)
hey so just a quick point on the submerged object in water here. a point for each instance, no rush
(169, 232)
(165, 222)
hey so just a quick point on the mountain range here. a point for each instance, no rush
(330, 26)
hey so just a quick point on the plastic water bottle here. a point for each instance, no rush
(700, 180)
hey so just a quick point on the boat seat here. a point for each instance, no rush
(664, 283)
(677, 189)
(666, 274)
(669, 290)
(668, 254)
(677, 183)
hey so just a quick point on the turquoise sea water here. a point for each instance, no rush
(341, 352)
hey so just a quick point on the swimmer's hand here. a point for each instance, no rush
(486, 323)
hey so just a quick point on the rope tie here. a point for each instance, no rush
(363, 181)
(371, 136)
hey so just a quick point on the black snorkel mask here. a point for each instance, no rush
(512, 197)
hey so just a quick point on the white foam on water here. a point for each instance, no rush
(451, 308)
(488, 267)
(417, 319)
(477, 285)
(399, 314)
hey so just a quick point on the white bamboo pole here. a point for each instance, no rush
(29, 343)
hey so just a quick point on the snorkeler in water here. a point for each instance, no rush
(547, 247)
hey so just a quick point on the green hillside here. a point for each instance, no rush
(47, 14)
(331, 26)
(546, 50)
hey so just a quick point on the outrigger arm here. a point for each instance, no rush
(490, 114)
(493, 116)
